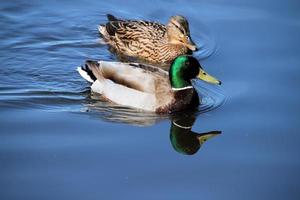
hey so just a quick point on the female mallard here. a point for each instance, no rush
(147, 87)
(149, 41)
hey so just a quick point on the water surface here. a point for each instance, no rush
(58, 141)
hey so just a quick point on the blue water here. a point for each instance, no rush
(58, 141)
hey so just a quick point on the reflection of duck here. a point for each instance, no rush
(150, 41)
(147, 87)
(97, 108)
(184, 140)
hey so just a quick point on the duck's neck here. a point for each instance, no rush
(169, 51)
(178, 49)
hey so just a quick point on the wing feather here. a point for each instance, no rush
(136, 76)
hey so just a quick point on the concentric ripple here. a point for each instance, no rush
(39, 63)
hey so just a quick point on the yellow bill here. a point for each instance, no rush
(206, 136)
(208, 78)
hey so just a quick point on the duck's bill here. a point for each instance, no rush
(206, 136)
(191, 45)
(208, 78)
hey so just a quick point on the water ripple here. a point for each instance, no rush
(40, 58)
(211, 98)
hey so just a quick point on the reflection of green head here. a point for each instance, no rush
(186, 141)
(183, 140)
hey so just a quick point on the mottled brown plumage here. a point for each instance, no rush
(149, 41)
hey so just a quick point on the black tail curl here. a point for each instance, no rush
(111, 17)
(87, 69)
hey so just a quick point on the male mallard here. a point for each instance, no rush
(149, 41)
(147, 87)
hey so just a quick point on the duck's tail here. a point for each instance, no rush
(111, 18)
(91, 71)
(102, 30)
(109, 29)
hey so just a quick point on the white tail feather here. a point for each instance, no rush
(102, 29)
(84, 75)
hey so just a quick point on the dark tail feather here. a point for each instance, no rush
(88, 70)
(112, 27)
(111, 18)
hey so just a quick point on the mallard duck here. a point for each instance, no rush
(147, 87)
(149, 41)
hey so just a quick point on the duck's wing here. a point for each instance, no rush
(129, 31)
(133, 85)
(137, 76)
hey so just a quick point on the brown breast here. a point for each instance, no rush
(181, 100)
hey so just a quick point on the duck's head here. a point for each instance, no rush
(179, 33)
(185, 68)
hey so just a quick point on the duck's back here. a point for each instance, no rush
(141, 39)
(127, 30)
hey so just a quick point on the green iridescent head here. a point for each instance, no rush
(185, 68)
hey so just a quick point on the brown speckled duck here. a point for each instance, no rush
(149, 41)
